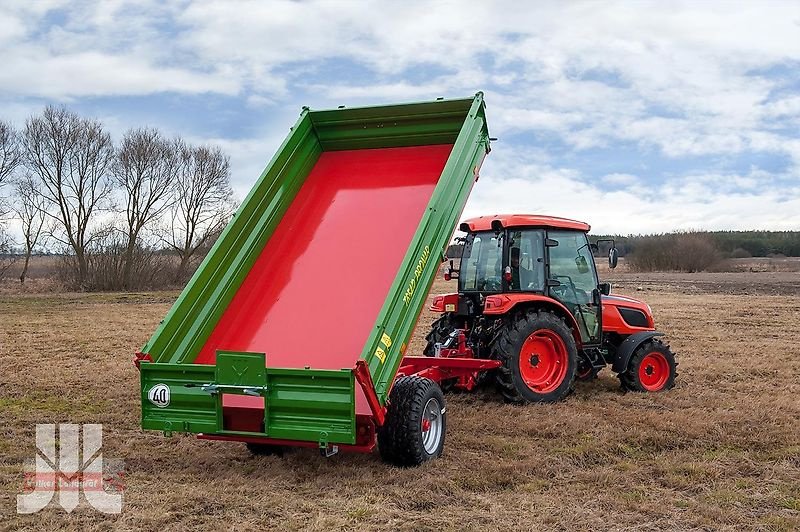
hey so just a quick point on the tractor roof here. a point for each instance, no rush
(497, 221)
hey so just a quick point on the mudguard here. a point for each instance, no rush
(628, 346)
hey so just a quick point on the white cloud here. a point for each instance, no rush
(620, 179)
(695, 201)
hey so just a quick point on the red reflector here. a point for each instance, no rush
(447, 276)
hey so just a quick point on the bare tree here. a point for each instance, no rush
(70, 156)
(31, 208)
(7, 257)
(9, 160)
(9, 151)
(145, 169)
(204, 201)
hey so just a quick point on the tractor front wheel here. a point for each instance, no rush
(651, 369)
(539, 358)
(586, 372)
(415, 425)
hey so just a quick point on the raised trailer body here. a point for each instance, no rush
(293, 328)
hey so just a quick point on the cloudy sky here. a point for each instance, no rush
(636, 117)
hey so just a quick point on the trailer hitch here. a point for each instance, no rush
(329, 450)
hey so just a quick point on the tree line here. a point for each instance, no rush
(730, 244)
(129, 215)
(692, 251)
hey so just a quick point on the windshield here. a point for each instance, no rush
(571, 262)
(482, 262)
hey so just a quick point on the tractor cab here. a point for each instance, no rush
(540, 255)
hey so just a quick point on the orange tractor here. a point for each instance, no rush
(529, 299)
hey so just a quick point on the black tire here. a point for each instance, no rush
(507, 349)
(440, 330)
(631, 379)
(586, 372)
(264, 449)
(401, 441)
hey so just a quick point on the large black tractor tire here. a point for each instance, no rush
(440, 330)
(539, 358)
(652, 368)
(416, 423)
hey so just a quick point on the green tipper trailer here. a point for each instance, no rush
(292, 330)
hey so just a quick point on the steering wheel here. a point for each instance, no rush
(564, 289)
(491, 284)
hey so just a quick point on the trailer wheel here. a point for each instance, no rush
(651, 368)
(416, 423)
(539, 358)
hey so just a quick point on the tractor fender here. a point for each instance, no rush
(503, 303)
(628, 346)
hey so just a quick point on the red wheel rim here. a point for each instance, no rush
(654, 371)
(543, 361)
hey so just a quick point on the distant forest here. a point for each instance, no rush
(733, 244)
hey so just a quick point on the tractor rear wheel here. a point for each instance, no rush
(539, 358)
(416, 422)
(650, 369)
(440, 331)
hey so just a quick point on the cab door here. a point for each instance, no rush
(572, 280)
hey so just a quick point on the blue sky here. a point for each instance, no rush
(636, 117)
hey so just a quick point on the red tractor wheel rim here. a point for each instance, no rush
(654, 371)
(543, 361)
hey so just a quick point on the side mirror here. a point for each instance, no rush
(605, 288)
(613, 258)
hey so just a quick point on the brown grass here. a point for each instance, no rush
(720, 451)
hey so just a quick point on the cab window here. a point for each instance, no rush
(482, 262)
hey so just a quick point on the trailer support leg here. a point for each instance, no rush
(364, 378)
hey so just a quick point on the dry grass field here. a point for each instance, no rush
(720, 451)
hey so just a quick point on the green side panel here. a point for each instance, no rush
(299, 404)
(312, 405)
(185, 329)
(414, 124)
(386, 345)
